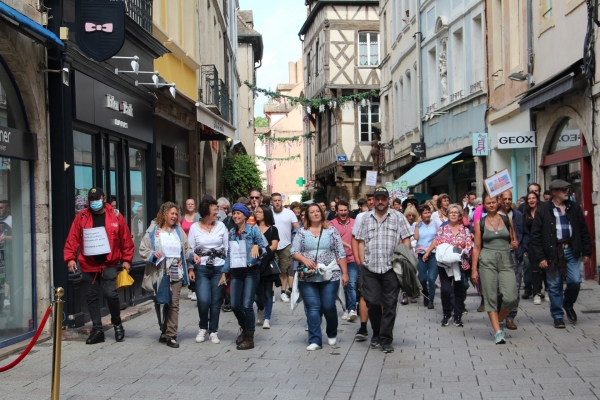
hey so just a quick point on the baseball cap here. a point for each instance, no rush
(381, 191)
(95, 192)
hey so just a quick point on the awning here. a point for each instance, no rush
(29, 27)
(549, 92)
(216, 127)
(424, 170)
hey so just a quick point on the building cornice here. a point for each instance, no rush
(321, 3)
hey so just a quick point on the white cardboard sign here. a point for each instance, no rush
(95, 242)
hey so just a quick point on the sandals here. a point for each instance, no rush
(162, 339)
(172, 344)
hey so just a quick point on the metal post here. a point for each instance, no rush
(57, 331)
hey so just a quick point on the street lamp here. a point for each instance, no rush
(515, 76)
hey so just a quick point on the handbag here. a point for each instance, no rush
(124, 280)
(163, 291)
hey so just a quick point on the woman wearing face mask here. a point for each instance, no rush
(493, 264)
(455, 234)
(246, 249)
(189, 218)
(165, 249)
(209, 239)
(264, 295)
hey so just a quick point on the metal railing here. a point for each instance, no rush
(209, 89)
(141, 12)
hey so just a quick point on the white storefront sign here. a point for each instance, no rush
(516, 140)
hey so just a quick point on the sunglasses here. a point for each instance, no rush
(254, 197)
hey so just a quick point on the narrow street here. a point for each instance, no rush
(430, 361)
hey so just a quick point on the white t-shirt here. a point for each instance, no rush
(357, 222)
(218, 238)
(284, 221)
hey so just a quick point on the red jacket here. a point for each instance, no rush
(119, 238)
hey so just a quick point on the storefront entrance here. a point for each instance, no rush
(568, 159)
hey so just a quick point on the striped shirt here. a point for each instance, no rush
(381, 238)
(563, 226)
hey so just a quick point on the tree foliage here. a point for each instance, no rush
(261, 122)
(320, 195)
(304, 196)
(240, 174)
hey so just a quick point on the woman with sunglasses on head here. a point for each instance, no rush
(246, 249)
(264, 295)
(454, 234)
(493, 264)
(318, 244)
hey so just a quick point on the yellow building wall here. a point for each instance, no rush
(176, 71)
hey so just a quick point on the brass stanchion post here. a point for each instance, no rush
(56, 349)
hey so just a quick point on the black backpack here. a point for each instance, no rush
(504, 219)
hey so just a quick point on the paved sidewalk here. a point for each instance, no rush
(430, 362)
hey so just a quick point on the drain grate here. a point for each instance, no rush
(590, 311)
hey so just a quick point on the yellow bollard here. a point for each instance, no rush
(57, 305)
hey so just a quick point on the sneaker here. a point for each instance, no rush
(502, 325)
(465, 312)
(313, 347)
(345, 315)
(260, 316)
(273, 298)
(266, 324)
(226, 307)
(559, 323)
(201, 336)
(306, 328)
(537, 299)
(194, 298)
(375, 343)
(332, 341)
(214, 338)
(284, 297)
(571, 315)
(361, 334)
(526, 295)
(190, 294)
(445, 320)
(430, 306)
(458, 321)
(352, 316)
(387, 348)
(499, 337)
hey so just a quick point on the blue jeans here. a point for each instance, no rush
(350, 289)
(558, 301)
(264, 301)
(244, 283)
(428, 272)
(209, 295)
(319, 299)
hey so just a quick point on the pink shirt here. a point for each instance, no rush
(345, 231)
(477, 214)
(186, 226)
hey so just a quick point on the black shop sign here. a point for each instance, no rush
(15, 143)
(100, 29)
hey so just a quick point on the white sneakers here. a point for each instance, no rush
(313, 347)
(332, 341)
(201, 336)
(266, 324)
(190, 294)
(214, 338)
(284, 297)
(260, 316)
(537, 300)
(345, 315)
(352, 316)
(194, 298)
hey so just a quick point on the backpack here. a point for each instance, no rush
(504, 219)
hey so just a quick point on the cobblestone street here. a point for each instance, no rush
(430, 361)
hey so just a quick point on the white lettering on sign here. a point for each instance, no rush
(120, 123)
(180, 155)
(3, 148)
(218, 126)
(123, 107)
(516, 140)
(5, 136)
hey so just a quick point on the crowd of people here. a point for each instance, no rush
(241, 258)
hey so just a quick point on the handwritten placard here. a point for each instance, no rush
(95, 242)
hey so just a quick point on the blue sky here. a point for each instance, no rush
(279, 22)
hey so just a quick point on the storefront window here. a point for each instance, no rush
(84, 171)
(137, 187)
(570, 172)
(567, 135)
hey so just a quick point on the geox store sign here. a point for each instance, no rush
(516, 140)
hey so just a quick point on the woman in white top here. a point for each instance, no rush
(209, 240)
(441, 215)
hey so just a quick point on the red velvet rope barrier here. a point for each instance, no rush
(30, 346)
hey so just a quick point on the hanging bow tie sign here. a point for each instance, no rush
(100, 27)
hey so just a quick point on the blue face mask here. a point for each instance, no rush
(96, 205)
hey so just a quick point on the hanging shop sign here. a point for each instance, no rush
(100, 29)
(516, 140)
(418, 149)
(15, 143)
(480, 144)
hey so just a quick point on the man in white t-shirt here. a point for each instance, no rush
(285, 222)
